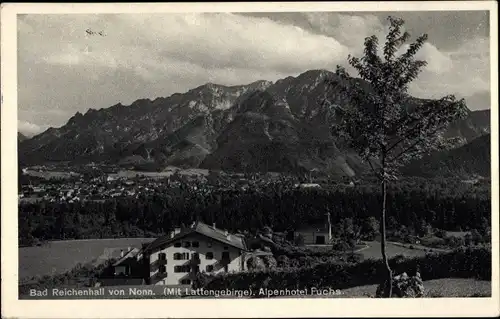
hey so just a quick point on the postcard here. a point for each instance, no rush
(249, 159)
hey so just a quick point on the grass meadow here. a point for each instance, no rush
(61, 256)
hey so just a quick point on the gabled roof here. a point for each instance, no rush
(203, 230)
(131, 254)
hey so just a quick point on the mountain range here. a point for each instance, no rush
(280, 126)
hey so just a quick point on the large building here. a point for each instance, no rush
(175, 259)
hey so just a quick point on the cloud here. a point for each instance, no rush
(29, 129)
(463, 72)
(146, 56)
(208, 40)
(437, 62)
(350, 30)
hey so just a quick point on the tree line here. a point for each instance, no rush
(445, 206)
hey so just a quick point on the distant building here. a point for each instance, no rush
(307, 185)
(315, 234)
(37, 189)
(128, 263)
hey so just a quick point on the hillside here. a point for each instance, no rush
(262, 126)
(471, 159)
(21, 137)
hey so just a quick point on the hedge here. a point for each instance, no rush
(470, 262)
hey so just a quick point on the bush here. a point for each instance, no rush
(440, 233)
(82, 275)
(435, 242)
(404, 286)
(299, 240)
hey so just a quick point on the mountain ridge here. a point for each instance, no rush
(470, 160)
(264, 125)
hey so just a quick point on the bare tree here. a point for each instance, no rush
(385, 125)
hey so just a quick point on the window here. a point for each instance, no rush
(181, 256)
(181, 268)
(210, 268)
(187, 244)
(225, 255)
(162, 269)
(209, 255)
(320, 240)
(196, 244)
(195, 255)
(185, 282)
(177, 244)
(120, 270)
(162, 256)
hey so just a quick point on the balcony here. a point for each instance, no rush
(162, 261)
(160, 275)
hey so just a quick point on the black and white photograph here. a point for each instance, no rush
(314, 155)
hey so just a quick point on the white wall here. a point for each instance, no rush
(173, 278)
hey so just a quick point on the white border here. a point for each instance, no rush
(11, 307)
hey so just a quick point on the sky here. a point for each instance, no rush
(62, 69)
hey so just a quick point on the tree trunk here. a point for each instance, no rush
(388, 279)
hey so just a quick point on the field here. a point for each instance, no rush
(51, 174)
(448, 287)
(373, 250)
(169, 171)
(456, 233)
(62, 256)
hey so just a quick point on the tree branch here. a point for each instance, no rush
(407, 149)
(374, 171)
(421, 139)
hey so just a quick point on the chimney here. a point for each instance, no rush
(177, 230)
(121, 253)
(213, 226)
(226, 233)
(129, 248)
